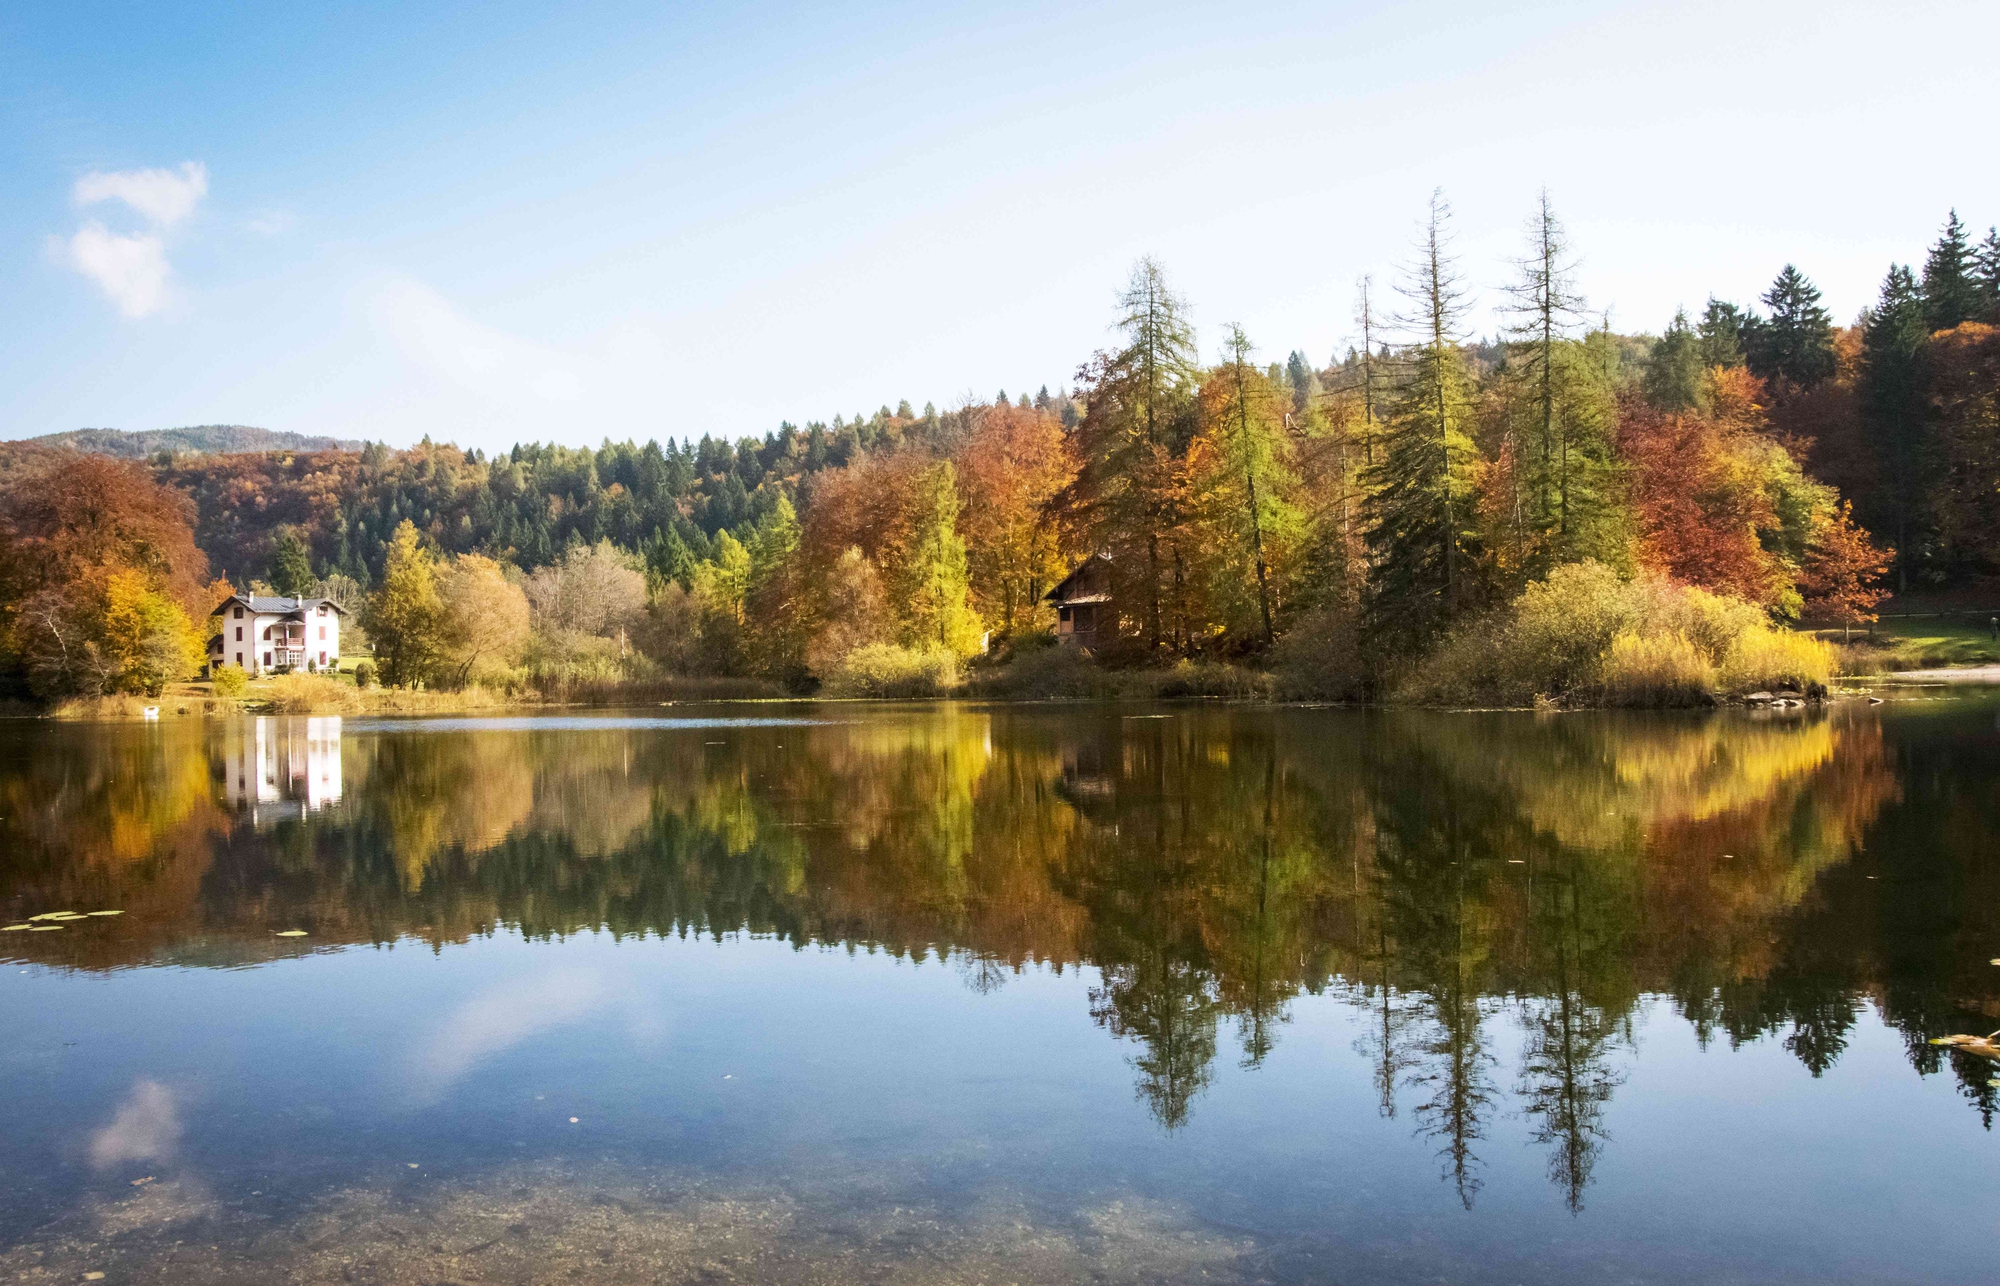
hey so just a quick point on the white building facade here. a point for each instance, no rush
(262, 633)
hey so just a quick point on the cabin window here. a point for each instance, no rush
(1062, 614)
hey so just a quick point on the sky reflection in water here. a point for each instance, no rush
(1261, 995)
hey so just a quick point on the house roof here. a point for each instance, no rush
(1058, 594)
(272, 605)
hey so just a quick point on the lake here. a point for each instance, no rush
(840, 992)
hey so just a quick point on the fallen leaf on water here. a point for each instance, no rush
(93, 1277)
(43, 928)
(51, 915)
(572, 1120)
(16, 928)
(1994, 962)
(412, 1164)
(107, 913)
(291, 933)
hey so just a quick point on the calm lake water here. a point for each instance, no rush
(832, 993)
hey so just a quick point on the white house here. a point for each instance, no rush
(263, 634)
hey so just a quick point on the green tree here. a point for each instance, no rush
(1986, 271)
(1794, 346)
(931, 584)
(1893, 423)
(1951, 287)
(1133, 440)
(1675, 372)
(1420, 500)
(406, 615)
(291, 567)
(1721, 334)
(1255, 449)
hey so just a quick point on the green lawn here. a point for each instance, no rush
(1923, 642)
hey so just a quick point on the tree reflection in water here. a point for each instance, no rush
(1444, 874)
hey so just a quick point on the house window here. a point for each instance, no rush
(239, 658)
(267, 632)
(239, 634)
(239, 614)
(267, 660)
(322, 633)
(322, 658)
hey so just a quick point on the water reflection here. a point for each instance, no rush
(1498, 894)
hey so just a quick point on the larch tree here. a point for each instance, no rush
(406, 615)
(1129, 497)
(1420, 500)
(931, 583)
(1252, 449)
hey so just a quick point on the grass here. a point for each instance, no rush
(1916, 643)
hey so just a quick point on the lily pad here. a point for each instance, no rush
(52, 915)
(43, 928)
(15, 928)
(291, 933)
(107, 913)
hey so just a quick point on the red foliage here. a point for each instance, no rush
(1697, 503)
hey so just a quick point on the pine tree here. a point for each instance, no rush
(1674, 370)
(1892, 413)
(1986, 272)
(1420, 501)
(1721, 334)
(1951, 291)
(1794, 346)
(291, 567)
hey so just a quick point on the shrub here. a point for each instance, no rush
(312, 694)
(1319, 659)
(1210, 679)
(1561, 629)
(229, 680)
(1766, 658)
(364, 674)
(1051, 674)
(886, 670)
(1656, 670)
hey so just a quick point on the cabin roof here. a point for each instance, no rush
(1061, 594)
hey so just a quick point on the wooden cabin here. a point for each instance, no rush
(1086, 611)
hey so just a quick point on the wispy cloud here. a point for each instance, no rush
(270, 223)
(163, 197)
(481, 360)
(131, 268)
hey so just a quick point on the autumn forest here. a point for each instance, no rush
(1563, 509)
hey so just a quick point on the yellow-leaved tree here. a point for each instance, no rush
(147, 637)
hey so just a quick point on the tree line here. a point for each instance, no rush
(1347, 516)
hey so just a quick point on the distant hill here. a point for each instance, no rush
(210, 439)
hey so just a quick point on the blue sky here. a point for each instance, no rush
(500, 222)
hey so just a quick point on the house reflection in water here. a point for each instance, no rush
(279, 768)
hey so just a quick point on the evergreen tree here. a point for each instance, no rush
(1986, 272)
(1794, 346)
(1721, 334)
(1674, 370)
(1892, 413)
(1951, 290)
(1421, 491)
(1254, 445)
(291, 567)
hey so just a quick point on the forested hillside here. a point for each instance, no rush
(1422, 494)
(218, 438)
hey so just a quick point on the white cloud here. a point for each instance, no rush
(164, 197)
(132, 270)
(147, 1127)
